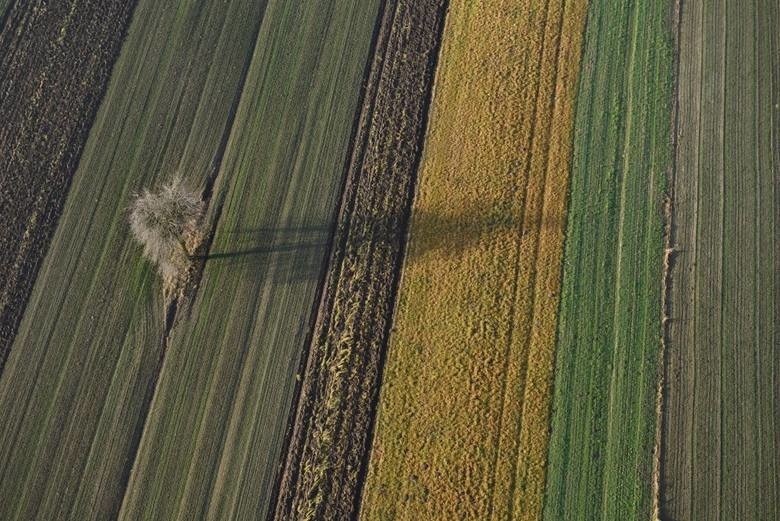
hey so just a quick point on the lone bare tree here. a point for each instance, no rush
(165, 222)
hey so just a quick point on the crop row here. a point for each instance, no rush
(721, 440)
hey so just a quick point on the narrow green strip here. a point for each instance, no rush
(603, 424)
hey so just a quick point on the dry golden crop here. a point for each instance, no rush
(463, 419)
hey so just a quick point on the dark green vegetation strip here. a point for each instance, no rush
(721, 457)
(603, 424)
(79, 379)
(55, 61)
(214, 436)
(330, 435)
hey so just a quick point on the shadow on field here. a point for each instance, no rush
(287, 254)
(297, 252)
(449, 236)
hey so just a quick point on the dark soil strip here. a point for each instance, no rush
(55, 61)
(333, 419)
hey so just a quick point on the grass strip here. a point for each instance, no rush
(607, 365)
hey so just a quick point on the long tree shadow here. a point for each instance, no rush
(287, 254)
(297, 252)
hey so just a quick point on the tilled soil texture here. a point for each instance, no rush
(55, 61)
(332, 422)
(721, 434)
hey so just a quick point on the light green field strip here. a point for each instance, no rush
(75, 389)
(211, 445)
(604, 414)
(721, 456)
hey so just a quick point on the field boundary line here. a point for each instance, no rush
(670, 247)
(565, 238)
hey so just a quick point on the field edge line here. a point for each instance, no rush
(670, 248)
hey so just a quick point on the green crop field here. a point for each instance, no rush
(213, 438)
(721, 456)
(603, 424)
(79, 381)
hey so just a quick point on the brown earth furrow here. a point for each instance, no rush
(330, 437)
(55, 61)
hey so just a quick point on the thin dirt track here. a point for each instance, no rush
(330, 434)
(55, 61)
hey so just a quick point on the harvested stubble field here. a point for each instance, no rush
(463, 416)
(721, 438)
(608, 353)
(55, 61)
(329, 441)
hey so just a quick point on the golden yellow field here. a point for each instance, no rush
(462, 427)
